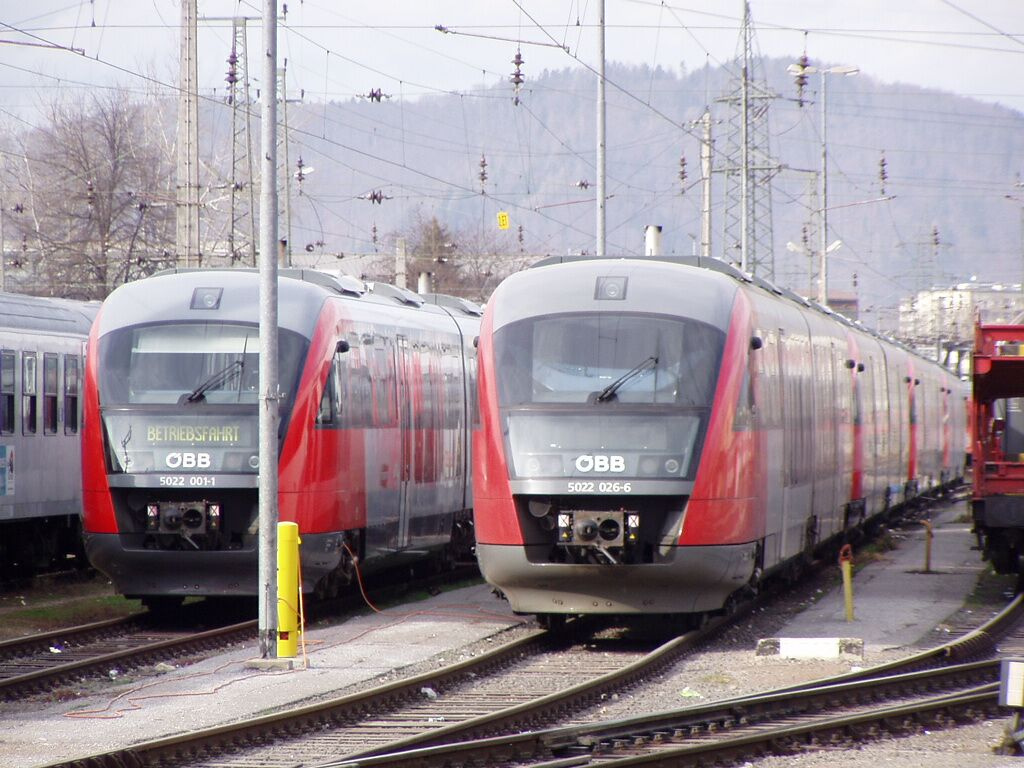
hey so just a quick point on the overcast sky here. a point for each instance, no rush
(340, 49)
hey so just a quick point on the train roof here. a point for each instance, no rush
(46, 314)
(740, 278)
(170, 295)
(663, 289)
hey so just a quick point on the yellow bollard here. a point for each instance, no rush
(287, 590)
(846, 565)
(929, 534)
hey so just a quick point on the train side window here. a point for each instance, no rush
(7, 365)
(328, 412)
(49, 393)
(746, 408)
(71, 385)
(29, 397)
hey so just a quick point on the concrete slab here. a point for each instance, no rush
(811, 647)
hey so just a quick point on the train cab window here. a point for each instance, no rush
(29, 396)
(213, 363)
(632, 359)
(71, 385)
(49, 393)
(7, 415)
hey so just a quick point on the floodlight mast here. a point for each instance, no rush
(803, 69)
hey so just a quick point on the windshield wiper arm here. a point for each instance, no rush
(220, 377)
(609, 392)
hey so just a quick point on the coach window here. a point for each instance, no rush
(71, 382)
(28, 393)
(49, 393)
(7, 363)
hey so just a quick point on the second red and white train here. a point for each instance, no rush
(658, 436)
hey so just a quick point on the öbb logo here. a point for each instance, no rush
(600, 463)
(188, 460)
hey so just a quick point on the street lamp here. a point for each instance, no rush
(799, 70)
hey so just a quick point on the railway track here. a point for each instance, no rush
(472, 706)
(464, 700)
(40, 663)
(421, 713)
(932, 689)
(464, 715)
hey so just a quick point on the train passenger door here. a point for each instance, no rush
(407, 445)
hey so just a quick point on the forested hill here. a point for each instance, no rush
(940, 215)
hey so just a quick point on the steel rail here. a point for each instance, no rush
(126, 658)
(193, 746)
(922, 670)
(41, 641)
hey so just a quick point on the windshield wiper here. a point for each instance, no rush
(220, 377)
(609, 392)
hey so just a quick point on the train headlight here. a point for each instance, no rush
(540, 465)
(213, 517)
(649, 465)
(152, 517)
(672, 466)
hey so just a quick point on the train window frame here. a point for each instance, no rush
(8, 368)
(51, 377)
(29, 393)
(72, 390)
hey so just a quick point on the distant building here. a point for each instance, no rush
(947, 315)
(845, 304)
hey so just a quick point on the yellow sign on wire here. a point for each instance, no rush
(503, 220)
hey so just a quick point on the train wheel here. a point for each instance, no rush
(552, 622)
(162, 605)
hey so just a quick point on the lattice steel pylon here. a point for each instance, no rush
(187, 192)
(748, 166)
(242, 233)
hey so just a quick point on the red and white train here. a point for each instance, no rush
(657, 435)
(377, 390)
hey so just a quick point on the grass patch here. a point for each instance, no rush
(47, 607)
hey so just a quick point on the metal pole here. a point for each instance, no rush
(3, 250)
(601, 196)
(187, 193)
(745, 145)
(269, 417)
(705, 199)
(823, 265)
(286, 179)
(400, 266)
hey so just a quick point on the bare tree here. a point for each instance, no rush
(91, 196)
(467, 264)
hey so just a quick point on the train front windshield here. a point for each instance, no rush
(634, 388)
(165, 388)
